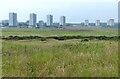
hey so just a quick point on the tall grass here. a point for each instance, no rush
(53, 58)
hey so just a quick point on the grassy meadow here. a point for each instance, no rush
(54, 58)
(45, 32)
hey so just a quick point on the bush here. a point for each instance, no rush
(86, 39)
(43, 39)
(62, 38)
(92, 37)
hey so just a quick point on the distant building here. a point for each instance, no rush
(62, 21)
(41, 24)
(13, 19)
(103, 24)
(22, 25)
(86, 22)
(32, 21)
(27, 22)
(49, 20)
(55, 24)
(5, 22)
(92, 24)
(97, 22)
(73, 24)
(111, 22)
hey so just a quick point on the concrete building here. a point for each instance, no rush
(41, 24)
(32, 20)
(13, 19)
(22, 25)
(97, 22)
(27, 22)
(62, 21)
(5, 22)
(49, 20)
(110, 22)
(56, 24)
(86, 22)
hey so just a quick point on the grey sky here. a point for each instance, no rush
(75, 10)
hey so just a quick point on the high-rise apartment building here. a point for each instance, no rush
(97, 22)
(13, 19)
(110, 22)
(49, 20)
(62, 21)
(32, 21)
(86, 22)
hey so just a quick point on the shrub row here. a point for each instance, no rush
(61, 37)
(21, 38)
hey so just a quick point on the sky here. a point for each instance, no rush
(75, 10)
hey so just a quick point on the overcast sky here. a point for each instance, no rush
(74, 10)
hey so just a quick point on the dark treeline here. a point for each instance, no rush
(61, 37)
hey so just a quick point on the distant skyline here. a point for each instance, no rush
(75, 10)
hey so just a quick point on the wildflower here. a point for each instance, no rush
(11, 52)
(4, 53)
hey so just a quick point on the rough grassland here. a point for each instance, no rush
(73, 58)
(91, 31)
(53, 58)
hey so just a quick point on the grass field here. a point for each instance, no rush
(83, 31)
(53, 58)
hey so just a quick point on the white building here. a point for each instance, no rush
(86, 22)
(97, 22)
(110, 22)
(49, 20)
(32, 20)
(62, 21)
(13, 19)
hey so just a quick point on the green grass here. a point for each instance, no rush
(53, 58)
(73, 58)
(56, 32)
